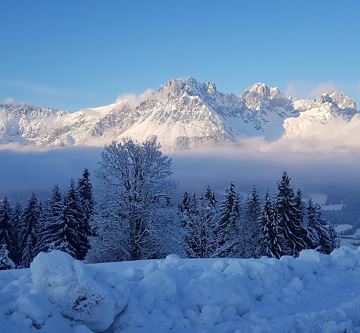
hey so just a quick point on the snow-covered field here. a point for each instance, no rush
(312, 293)
(343, 227)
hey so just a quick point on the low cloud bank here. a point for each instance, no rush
(312, 166)
(25, 171)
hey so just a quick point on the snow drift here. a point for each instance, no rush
(311, 293)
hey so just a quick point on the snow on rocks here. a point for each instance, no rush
(311, 293)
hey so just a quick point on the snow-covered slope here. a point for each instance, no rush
(311, 293)
(181, 114)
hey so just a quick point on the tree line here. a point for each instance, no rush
(277, 226)
(62, 222)
(134, 217)
(138, 221)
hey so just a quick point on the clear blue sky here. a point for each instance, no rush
(75, 53)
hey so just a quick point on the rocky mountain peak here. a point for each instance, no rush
(259, 95)
(211, 87)
(338, 99)
(180, 86)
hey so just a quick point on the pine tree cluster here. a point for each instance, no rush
(63, 222)
(279, 226)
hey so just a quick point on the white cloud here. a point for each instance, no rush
(322, 88)
(9, 100)
(358, 89)
(134, 99)
(305, 89)
(296, 89)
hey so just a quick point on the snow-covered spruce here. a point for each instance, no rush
(66, 222)
(7, 242)
(293, 235)
(249, 227)
(270, 234)
(311, 293)
(198, 220)
(87, 211)
(29, 231)
(227, 228)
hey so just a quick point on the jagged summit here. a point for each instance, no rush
(180, 86)
(259, 95)
(261, 90)
(188, 86)
(257, 89)
(183, 113)
(338, 99)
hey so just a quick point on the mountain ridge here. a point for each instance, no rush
(182, 114)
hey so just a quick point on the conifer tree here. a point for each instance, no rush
(199, 225)
(250, 231)
(28, 236)
(334, 237)
(227, 226)
(86, 201)
(184, 210)
(7, 244)
(294, 235)
(194, 230)
(16, 228)
(253, 206)
(321, 233)
(5, 260)
(71, 219)
(41, 225)
(270, 233)
(300, 208)
(52, 234)
(209, 205)
(210, 196)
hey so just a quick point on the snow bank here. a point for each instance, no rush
(59, 293)
(343, 227)
(312, 293)
(333, 208)
(77, 291)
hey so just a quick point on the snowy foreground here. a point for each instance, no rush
(312, 293)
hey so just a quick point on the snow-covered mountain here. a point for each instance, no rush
(181, 114)
(328, 111)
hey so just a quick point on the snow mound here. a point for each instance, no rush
(311, 293)
(307, 294)
(77, 291)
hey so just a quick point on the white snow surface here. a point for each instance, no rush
(319, 198)
(333, 208)
(311, 293)
(343, 227)
(182, 114)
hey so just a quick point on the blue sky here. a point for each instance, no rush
(74, 54)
